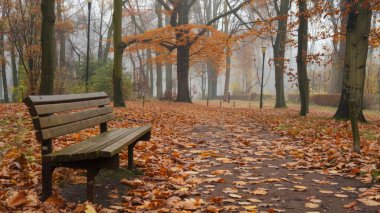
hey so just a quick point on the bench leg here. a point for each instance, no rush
(91, 174)
(130, 155)
(47, 180)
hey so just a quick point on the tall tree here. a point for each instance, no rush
(48, 63)
(228, 57)
(61, 71)
(2, 58)
(279, 47)
(158, 10)
(339, 44)
(117, 77)
(183, 40)
(355, 61)
(303, 81)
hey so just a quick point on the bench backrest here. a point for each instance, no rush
(56, 115)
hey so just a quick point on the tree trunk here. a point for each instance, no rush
(158, 10)
(336, 78)
(118, 55)
(183, 55)
(303, 81)
(228, 75)
(279, 53)
(150, 72)
(48, 63)
(357, 35)
(168, 79)
(14, 67)
(108, 43)
(61, 72)
(3, 62)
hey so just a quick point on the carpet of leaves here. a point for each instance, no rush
(207, 159)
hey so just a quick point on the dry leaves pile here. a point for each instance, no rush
(207, 159)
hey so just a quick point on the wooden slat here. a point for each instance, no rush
(70, 149)
(57, 120)
(51, 99)
(115, 148)
(79, 153)
(72, 127)
(52, 108)
(92, 152)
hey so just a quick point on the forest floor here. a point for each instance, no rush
(205, 159)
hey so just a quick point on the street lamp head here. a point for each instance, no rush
(263, 50)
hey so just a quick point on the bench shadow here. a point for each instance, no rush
(108, 188)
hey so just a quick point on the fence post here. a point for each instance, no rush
(354, 125)
(207, 102)
(228, 97)
(220, 104)
(234, 104)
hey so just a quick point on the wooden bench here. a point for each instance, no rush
(57, 115)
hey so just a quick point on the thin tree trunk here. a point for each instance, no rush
(61, 72)
(3, 63)
(355, 62)
(118, 55)
(303, 81)
(336, 79)
(108, 43)
(48, 63)
(158, 65)
(100, 42)
(279, 53)
(14, 67)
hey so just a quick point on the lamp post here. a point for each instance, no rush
(88, 42)
(263, 50)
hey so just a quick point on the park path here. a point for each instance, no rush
(219, 160)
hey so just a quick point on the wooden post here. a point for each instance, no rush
(228, 97)
(143, 100)
(354, 125)
(249, 107)
(220, 104)
(91, 174)
(234, 104)
(130, 156)
(207, 102)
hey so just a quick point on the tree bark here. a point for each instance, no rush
(48, 63)
(108, 43)
(158, 10)
(279, 53)
(183, 54)
(118, 55)
(150, 72)
(61, 72)
(14, 67)
(336, 78)
(3, 61)
(355, 62)
(303, 81)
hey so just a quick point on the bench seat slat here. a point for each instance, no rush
(72, 127)
(115, 148)
(92, 147)
(52, 108)
(56, 120)
(91, 152)
(72, 148)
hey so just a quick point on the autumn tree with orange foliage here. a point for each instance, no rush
(183, 41)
